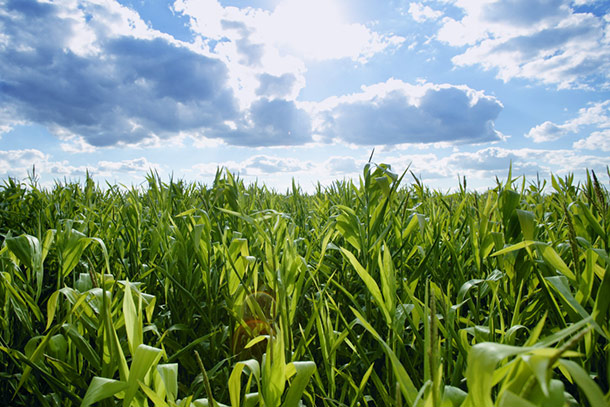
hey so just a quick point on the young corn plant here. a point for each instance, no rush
(377, 291)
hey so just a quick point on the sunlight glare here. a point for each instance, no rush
(315, 29)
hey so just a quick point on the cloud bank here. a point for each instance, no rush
(18, 163)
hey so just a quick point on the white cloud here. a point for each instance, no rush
(257, 165)
(278, 171)
(421, 12)
(64, 169)
(342, 165)
(137, 165)
(16, 163)
(547, 131)
(544, 41)
(72, 143)
(481, 167)
(274, 122)
(262, 164)
(597, 141)
(19, 163)
(596, 115)
(395, 112)
(9, 119)
(436, 169)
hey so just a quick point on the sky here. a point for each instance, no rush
(275, 90)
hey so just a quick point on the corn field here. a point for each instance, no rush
(380, 292)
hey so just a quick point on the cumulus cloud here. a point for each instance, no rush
(72, 143)
(396, 112)
(122, 84)
(547, 131)
(597, 116)
(546, 41)
(598, 140)
(421, 12)
(276, 86)
(274, 122)
(8, 118)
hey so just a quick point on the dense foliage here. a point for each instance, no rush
(379, 293)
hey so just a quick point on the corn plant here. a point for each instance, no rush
(371, 292)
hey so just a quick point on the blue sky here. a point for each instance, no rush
(282, 89)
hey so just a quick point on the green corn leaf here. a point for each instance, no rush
(539, 364)
(556, 396)
(566, 296)
(388, 279)
(482, 361)
(407, 387)
(235, 378)
(113, 356)
(206, 403)
(302, 373)
(274, 371)
(551, 257)
(512, 248)
(71, 244)
(510, 399)
(365, 378)
(369, 282)
(586, 384)
(238, 250)
(32, 253)
(453, 396)
(25, 247)
(39, 351)
(602, 300)
(133, 318)
(235, 384)
(348, 225)
(155, 397)
(145, 358)
(561, 335)
(584, 209)
(101, 388)
(82, 345)
(25, 303)
(169, 376)
(527, 222)
(256, 340)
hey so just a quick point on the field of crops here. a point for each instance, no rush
(377, 293)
